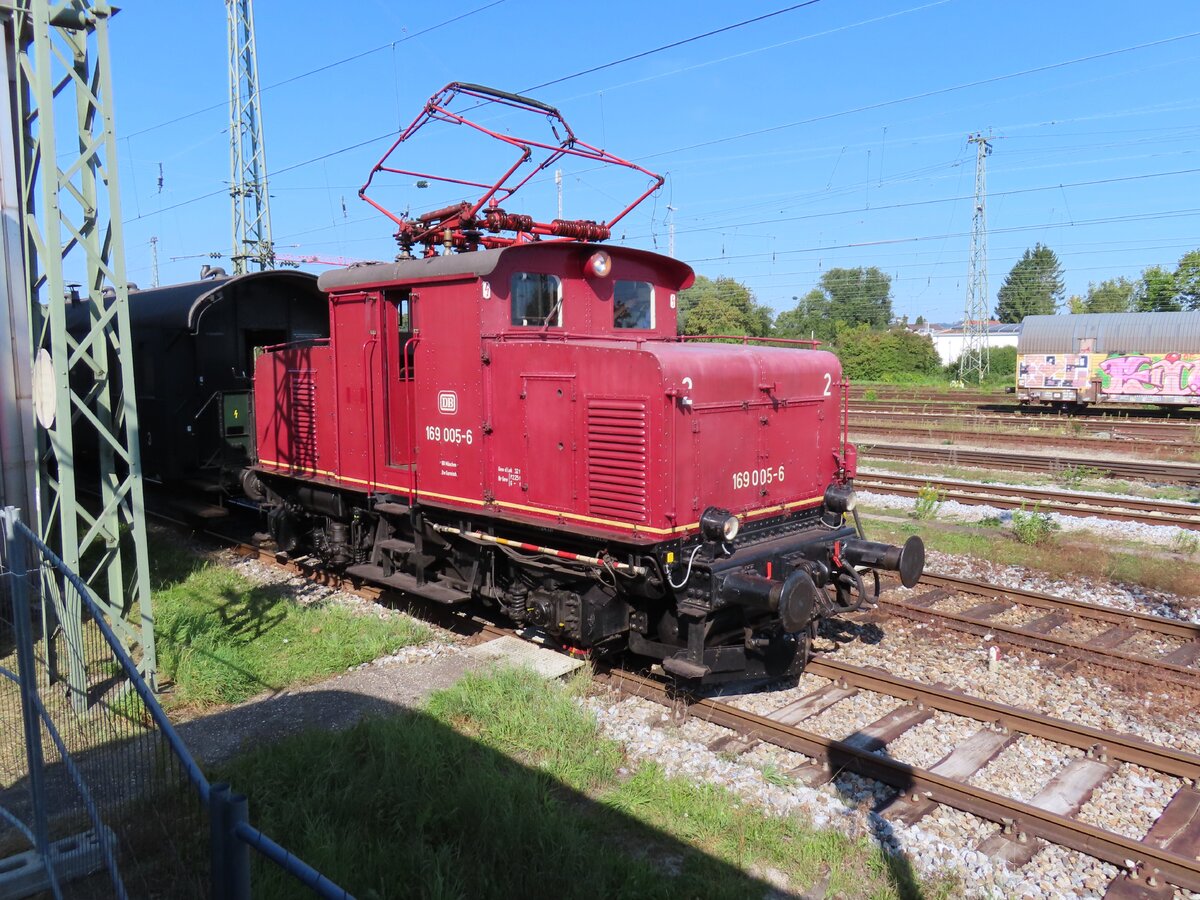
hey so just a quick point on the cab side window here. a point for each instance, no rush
(536, 300)
(633, 304)
(404, 332)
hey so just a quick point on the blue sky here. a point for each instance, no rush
(829, 135)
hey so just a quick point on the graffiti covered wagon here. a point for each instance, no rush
(1137, 358)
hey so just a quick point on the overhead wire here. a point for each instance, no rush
(322, 68)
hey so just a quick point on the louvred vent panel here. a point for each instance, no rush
(617, 459)
(302, 418)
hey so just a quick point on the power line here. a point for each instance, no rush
(924, 95)
(324, 68)
(936, 200)
(672, 45)
(824, 117)
(1133, 217)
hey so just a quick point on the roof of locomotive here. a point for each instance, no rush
(1149, 332)
(480, 263)
(182, 305)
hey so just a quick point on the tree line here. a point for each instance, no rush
(850, 311)
(1034, 287)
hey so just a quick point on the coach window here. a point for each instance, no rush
(536, 300)
(633, 304)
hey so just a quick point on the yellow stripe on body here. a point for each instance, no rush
(628, 526)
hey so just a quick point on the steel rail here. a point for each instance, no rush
(1071, 503)
(1158, 450)
(1007, 405)
(1108, 657)
(1141, 620)
(1171, 430)
(1022, 818)
(1182, 473)
(1123, 748)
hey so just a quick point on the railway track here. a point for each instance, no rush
(1005, 405)
(1167, 853)
(1166, 431)
(1065, 443)
(1159, 471)
(1070, 503)
(1162, 649)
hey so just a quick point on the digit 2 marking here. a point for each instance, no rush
(828, 382)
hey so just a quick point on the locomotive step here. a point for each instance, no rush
(429, 590)
(396, 545)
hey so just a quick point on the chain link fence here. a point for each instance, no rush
(99, 797)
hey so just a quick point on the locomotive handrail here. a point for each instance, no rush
(639, 339)
(313, 342)
(749, 338)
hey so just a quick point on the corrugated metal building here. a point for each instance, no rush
(1156, 332)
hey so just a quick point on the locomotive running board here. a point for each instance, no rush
(429, 590)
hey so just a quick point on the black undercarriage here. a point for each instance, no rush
(706, 611)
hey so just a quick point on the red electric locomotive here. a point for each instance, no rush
(514, 420)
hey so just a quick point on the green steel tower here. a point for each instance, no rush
(252, 245)
(83, 379)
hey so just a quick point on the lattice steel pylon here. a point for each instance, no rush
(252, 244)
(973, 363)
(83, 383)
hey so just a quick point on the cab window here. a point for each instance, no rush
(536, 300)
(403, 353)
(633, 304)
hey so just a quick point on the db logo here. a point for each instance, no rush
(447, 402)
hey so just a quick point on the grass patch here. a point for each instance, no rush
(222, 638)
(503, 787)
(1066, 557)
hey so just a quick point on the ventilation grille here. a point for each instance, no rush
(616, 458)
(302, 418)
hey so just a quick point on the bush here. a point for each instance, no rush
(1033, 526)
(1002, 366)
(1074, 476)
(868, 355)
(929, 501)
(1186, 542)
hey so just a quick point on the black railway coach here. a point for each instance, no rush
(194, 346)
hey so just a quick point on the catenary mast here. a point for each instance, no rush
(252, 246)
(83, 388)
(973, 363)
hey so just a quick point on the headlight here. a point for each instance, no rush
(719, 525)
(840, 498)
(598, 264)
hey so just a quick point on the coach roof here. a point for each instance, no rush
(481, 263)
(1152, 332)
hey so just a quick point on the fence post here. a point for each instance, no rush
(230, 856)
(239, 858)
(15, 559)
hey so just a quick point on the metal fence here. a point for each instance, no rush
(99, 796)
